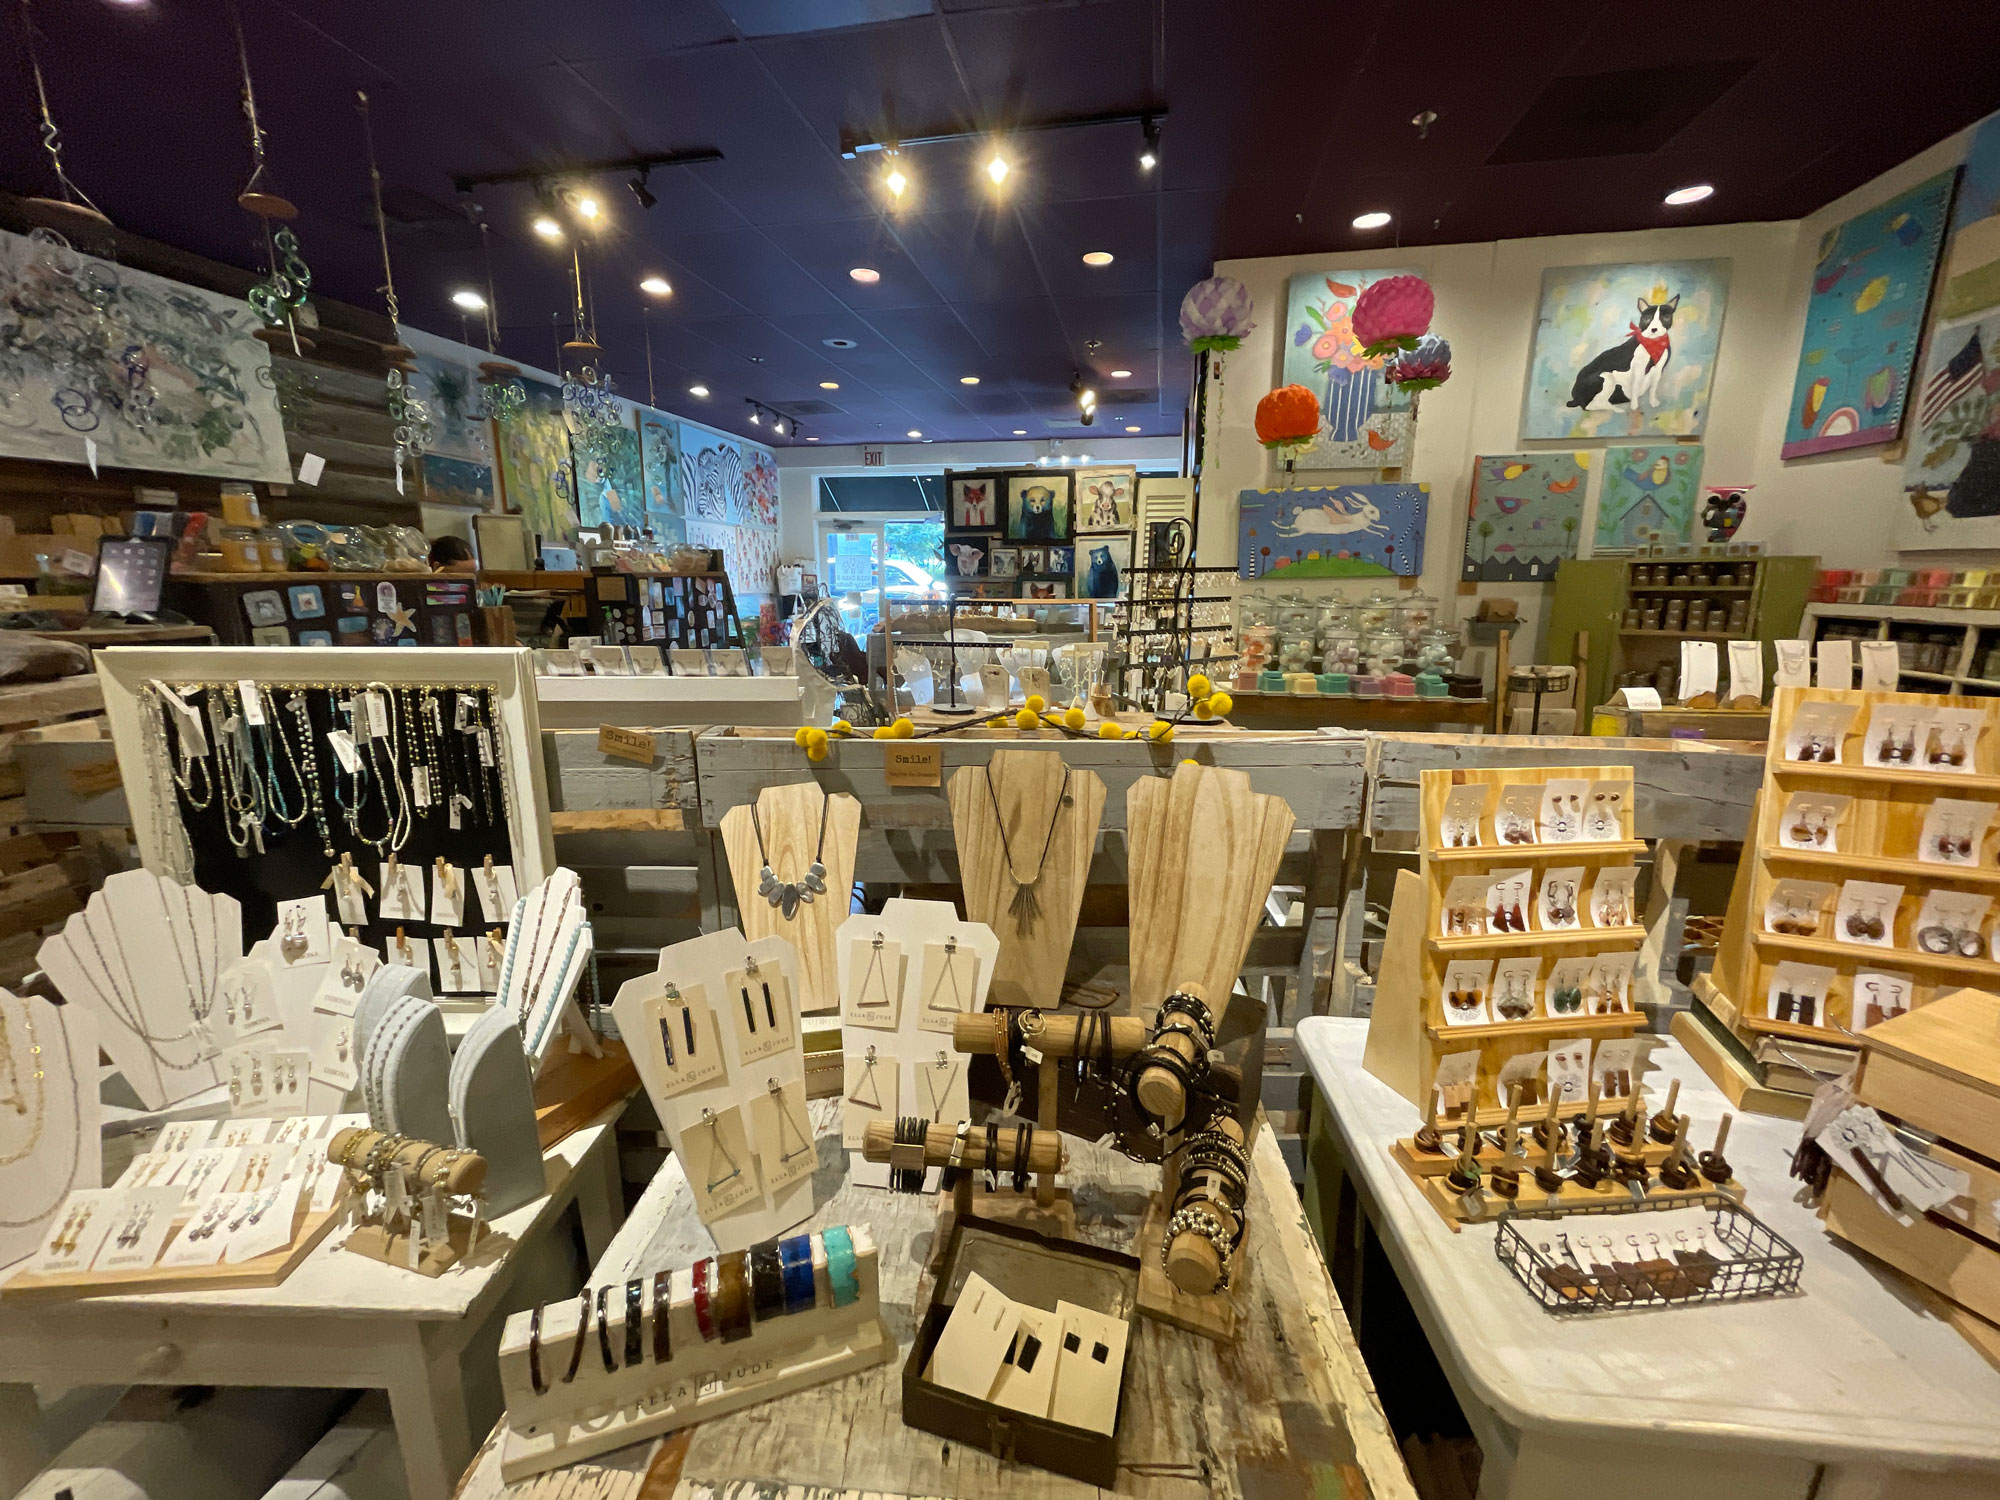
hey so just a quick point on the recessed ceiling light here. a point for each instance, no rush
(468, 299)
(829, 385)
(1121, 374)
(811, 439)
(866, 275)
(968, 380)
(997, 169)
(656, 286)
(547, 228)
(915, 433)
(588, 207)
(1693, 193)
(1132, 429)
(1097, 257)
(1020, 432)
(1373, 220)
(698, 390)
(840, 343)
(895, 182)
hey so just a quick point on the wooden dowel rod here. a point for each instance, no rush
(1045, 1148)
(1057, 1038)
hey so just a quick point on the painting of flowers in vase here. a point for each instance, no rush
(1364, 422)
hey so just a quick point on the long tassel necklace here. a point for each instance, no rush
(1026, 907)
(787, 894)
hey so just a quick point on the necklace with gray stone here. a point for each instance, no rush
(787, 895)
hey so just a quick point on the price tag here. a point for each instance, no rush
(310, 468)
(187, 722)
(90, 455)
(485, 746)
(1641, 697)
(378, 716)
(635, 745)
(463, 714)
(78, 564)
(912, 765)
(420, 785)
(253, 703)
(344, 751)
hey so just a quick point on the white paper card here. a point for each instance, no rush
(1027, 1379)
(139, 1227)
(973, 1343)
(447, 895)
(715, 1150)
(208, 1172)
(1090, 1374)
(873, 993)
(938, 1091)
(400, 892)
(184, 1135)
(947, 985)
(869, 1092)
(685, 1040)
(1866, 913)
(1466, 984)
(302, 935)
(266, 1226)
(1836, 663)
(1879, 995)
(1569, 1069)
(457, 964)
(1794, 664)
(202, 1238)
(1698, 669)
(332, 1059)
(1881, 665)
(1746, 670)
(347, 974)
(1811, 821)
(74, 1235)
(762, 1011)
(1556, 905)
(785, 1147)
(1456, 1078)
(493, 886)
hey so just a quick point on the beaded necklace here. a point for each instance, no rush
(68, 1175)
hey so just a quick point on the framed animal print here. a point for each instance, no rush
(1060, 561)
(1625, 351)
(1101, 563)
(967, 558)
(975, 503)
(1003, 562)
(1052, 589)
(1038, 507)
(1104, 499)
(1032, 560)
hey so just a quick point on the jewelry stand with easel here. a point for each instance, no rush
(738, 1128)
(791, 860)
(1026, 826)
(907, 977)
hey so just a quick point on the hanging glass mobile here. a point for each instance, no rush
(589, 406)
(280, 296)
(410, 422)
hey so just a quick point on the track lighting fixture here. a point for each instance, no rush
(763, 416)
(1086, 398)
(640, 190)
(1149, 156)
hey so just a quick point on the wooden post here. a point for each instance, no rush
(1503, 663)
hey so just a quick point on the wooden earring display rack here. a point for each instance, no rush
(790, 818)
(1026, 785)
(1877, 836)
(1408, 1034)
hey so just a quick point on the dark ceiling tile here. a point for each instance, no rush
(829, 251)
(877, 83)
(1127, 228)
(1057, 60)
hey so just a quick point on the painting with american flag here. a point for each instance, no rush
(1951, 473)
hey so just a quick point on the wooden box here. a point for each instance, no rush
(1938, 1068)
(1029, 1268)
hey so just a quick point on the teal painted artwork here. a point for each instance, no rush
(1524, 517)
(1334, 531)
(1363, 422)
(1625, 351)
(610, 489)
(1871, 282)
(454, 481)
(1648, 494)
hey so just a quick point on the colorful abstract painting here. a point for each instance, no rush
(1625, 351)
(165, 377)
(1524, 517)
(453, 481)
(711, 475)
(535, 465)
(1951, 473)
(1333, 531)
(760, 486)
(1647, 494)
(1871, 282)
(1970, 280)
(446, 381)
(1364, 424)
(610, 483)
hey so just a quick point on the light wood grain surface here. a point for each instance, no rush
(790, 817)
(1026, 784)
(1287, 1410)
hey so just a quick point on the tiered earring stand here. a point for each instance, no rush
(1878, 834)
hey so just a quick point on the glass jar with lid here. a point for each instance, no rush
(1334, 614)
(1416, 613)
(1342, 648)
(1256, 609)
(1297, 650)
(1383, 651)
(1295, 614)
(1437, 650)
(1376, 612)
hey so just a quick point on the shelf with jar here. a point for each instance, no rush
(1385, 646)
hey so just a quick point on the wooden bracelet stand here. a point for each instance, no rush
(1034, 956)
(376, 1239)
(1046, 1157)
(790, 818)
(1191, 1260)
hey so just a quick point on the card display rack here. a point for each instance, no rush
(1409, 1034)
(690, 610)
(1880, 821)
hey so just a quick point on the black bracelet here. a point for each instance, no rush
(767, 1281)
(635, 1321)
(663, 1317)
(1024, 1136)
(910, 1131)
(535, 1353)
(992, 1153)
(582, 1331)
(604, 1331)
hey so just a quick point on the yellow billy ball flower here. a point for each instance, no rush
(998, 721)
(816, 751)
(1220, 703)
(881, 732)
(902, 729)
(1036, 703)
(1109, 730)
(799, 736)
(1073, 717)
(1198, 686)
(1026, 719)
(1160, 731)
(816, 740)
(1202, 710)
(841, 726)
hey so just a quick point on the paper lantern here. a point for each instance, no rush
(1288, 418)
(1423, 368)
(1215, 314)
(1392, 314)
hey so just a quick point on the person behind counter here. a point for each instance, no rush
(453, 554)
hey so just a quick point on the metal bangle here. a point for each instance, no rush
(635, 1321)
(1024, 1137)
(582, 1331)
(795, 1256)
(604, 1331)
(663, 1317)
(535, 1353)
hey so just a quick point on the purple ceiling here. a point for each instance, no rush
(1286, 120)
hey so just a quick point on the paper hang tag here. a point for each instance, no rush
(378, 715)
(720, 1167)
(437, 1219)
(485, 740)
(187, 721)
(1881, 665)
(761, 1009)
(683, 1039)
(973, 1346)
(420, 786)
(872, 988)
(310, 468)
(253, 703)
(395, 1196)
(1641, 697)
(1746, 670)
(785, 1148)
(344, 751)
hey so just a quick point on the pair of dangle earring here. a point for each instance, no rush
(1939, 752)
(1866, 922)
(1814, 826)
(1517, 1004)
(1464, 1002)
(1819, 749)
(1898, 752)
(1566, 999)
(1954, 842)
(1561, 902)
(1505, 918)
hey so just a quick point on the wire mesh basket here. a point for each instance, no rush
(1761, 1265)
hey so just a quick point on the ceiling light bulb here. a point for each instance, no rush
(968, 380)
(547, 228)
(915, 433)
(588, 207)
(656, 286)
(468, 299)
(1372, 220)
(1132, 429)
(829, 385)
(779, 427)
(1147, 161)
(997, 169)
(865, 275)
(811, 439)
(1020, 432)
(755, 420)
(1086, 397)
(698, 390)
(1097, 257)
(1693, 193)
(895, 182)
(1121, 374)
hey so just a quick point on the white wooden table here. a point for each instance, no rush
(338, 1320)
(1286, 1410)
(1848, 1392)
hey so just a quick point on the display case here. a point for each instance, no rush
(1938, 650)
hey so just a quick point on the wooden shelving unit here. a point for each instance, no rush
(1943, 650)
(1877, 836)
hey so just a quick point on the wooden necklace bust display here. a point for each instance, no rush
(805, 838)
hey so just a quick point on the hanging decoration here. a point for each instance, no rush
(1288, 421)
(410, 423)
(281, 295)
(1423, 368)
(1393, 314)
(1215, 315)
(71, 203)
(501, 397)
(590, 409)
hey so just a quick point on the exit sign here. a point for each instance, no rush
(871, 458)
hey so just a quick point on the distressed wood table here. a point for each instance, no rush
(338, 1320)
(1285, 1411)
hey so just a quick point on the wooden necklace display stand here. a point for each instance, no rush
(790, 817)
(1034, 953)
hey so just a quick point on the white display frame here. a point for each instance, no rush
(124, 671)
(914, 924)
(36, 1177)
(704, 961)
